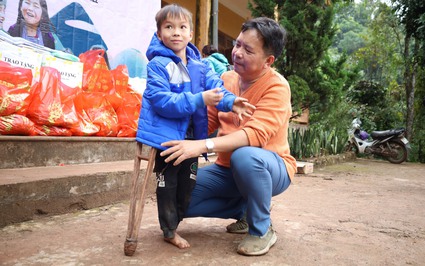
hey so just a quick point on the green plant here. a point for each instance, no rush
(315, 142)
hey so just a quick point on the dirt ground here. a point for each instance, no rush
(364, 212)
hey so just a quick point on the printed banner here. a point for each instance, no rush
(123, 28)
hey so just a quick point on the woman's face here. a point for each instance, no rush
(31, 10)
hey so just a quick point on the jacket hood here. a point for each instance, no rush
(157, 48)
(220, 57)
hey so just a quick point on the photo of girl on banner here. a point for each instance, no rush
(2, 13)
(78, 26)
(33, 23)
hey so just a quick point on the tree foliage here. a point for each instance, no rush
(418, 151)
(382, 55)
(374, 106)
(305, 62)
(351, 23)
(368, 93)
(411, 15)
(378, 96)
(343, 56)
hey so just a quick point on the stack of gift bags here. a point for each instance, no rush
(104, 105)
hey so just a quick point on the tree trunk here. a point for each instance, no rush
(203, 15)
(409, 83)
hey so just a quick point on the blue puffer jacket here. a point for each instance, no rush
(173, 96)
(218, 62)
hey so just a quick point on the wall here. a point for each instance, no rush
(228, 22)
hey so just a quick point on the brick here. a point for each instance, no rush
(304, 168)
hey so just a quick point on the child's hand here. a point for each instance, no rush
(212, 97)
(242, 108)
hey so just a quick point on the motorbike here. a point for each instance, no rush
(389, 144)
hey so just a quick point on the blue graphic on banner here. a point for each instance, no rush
(76, 30)
(134, 60)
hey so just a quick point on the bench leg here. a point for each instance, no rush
(137, 200)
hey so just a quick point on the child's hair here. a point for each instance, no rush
(209, 50)
(173, 11)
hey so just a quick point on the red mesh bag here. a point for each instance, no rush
(114, 99)
(15, 89)
(120, 86)
(43, 130)
(15, 77)
(100, 112)
(50, 106)
(85, 126)
(15, 100)
(96, 74)
(16, 125)
(128, 114)
(120, 77)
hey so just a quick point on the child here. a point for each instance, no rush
(217, 61)
(179, 87)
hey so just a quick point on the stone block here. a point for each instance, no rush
(304, 168)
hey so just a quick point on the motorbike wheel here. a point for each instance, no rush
(398, 151)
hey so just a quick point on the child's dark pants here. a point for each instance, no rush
(173, 191)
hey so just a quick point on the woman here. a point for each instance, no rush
(33, 23)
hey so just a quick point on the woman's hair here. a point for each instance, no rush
(45, 24)
(173, 11)
(273, 34)
(209, 50)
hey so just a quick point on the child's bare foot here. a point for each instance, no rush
(178, 241)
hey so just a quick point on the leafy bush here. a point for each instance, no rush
(315, 142)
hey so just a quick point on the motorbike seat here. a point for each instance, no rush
(386, 133)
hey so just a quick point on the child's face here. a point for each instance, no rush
(175, 33)
(31, 10)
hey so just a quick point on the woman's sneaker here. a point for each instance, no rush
(257, 245)
(238, 227)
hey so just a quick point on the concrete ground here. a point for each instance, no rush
(364, 212)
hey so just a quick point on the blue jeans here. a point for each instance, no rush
(255, 175)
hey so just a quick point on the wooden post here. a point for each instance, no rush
(203, 15)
